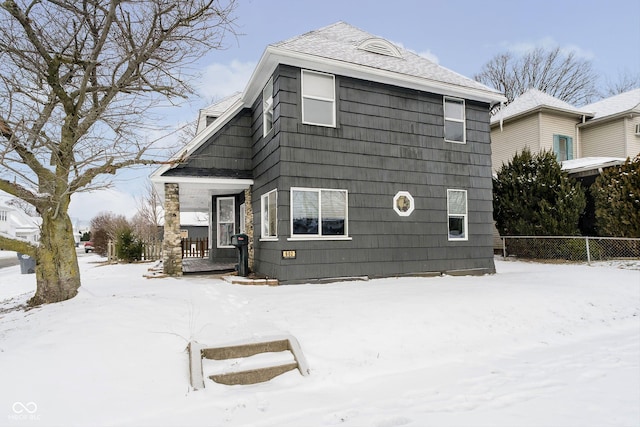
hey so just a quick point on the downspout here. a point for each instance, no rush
(578, 144)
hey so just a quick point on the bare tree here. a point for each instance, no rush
(149, 217)
(105, 227)
(625, 82)
(23, 206)
(557, 73)
(78, 83)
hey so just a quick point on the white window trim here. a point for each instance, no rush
(412, 203)
(265, 199)
(466, 217)
(218, 220)
(332, 100)
(463, 121)
(267, 106)
(299, 237)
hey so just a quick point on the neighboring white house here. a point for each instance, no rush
(16, 223)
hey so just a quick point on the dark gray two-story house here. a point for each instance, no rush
(345, 156)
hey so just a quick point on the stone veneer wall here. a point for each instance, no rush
(172, 244)
(248, 225)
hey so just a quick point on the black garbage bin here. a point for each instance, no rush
(27, 264)
(241, 242)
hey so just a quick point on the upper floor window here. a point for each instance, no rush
(3, 215)
(267, 107)
(563, 147)
(454, 120)
(318, 212)
(457, 214)
(318, 98)
(269, 209)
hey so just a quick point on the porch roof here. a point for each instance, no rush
(196, 192)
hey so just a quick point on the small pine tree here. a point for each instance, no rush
(616, 193)
(128, 247)
(533, 196)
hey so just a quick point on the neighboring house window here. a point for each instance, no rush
(457, 213)
(318, 98)
(3, 215)
(563, 147)
(318, 212)
(454, 120)
(267, 107)
(269, 209)
(226, 216)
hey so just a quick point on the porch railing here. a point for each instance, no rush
(195, 247)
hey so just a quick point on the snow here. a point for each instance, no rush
(533, 345)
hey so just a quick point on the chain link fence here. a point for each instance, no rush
(571, 248)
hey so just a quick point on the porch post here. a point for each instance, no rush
(248, 224)
(172, 243)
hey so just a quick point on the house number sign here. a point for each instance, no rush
(289, 254)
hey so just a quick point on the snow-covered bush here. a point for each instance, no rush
(616, 193)
(532, 196)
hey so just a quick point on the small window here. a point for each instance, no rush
(267, 108)
(226, 218)
(318, 99)
(563, 147)
(3, 215)
(269, 209)
(318, 212)
(457, 213)
(454, 120)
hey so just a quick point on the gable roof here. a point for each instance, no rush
(535, 100)
(216, 109)
(343, 49)
(617, 104)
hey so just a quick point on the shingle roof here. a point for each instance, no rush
(532, 100)
(616, 104)
(217, 108)
(341, 41)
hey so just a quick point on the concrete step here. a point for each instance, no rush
(253, 376)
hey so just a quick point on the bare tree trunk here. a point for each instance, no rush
(57, 272)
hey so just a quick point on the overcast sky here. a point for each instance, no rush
(459, 35)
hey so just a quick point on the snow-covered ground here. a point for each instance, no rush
(534, 345)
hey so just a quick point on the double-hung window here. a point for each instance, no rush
(454, 120)
(269, 219)
(457, 214)
(267, 108)
(226, 219)
(563, 147)
(318, 213)
(318, 98)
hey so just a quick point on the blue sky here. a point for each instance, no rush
(459, 35)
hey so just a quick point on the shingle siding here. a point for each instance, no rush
(387, 139)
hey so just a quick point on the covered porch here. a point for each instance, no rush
(228, 204)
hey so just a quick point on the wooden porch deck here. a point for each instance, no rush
(206, 266)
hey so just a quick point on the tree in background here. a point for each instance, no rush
(78, 84)
(532, 196)
(106, 227)
(555, 72)
(616, 193)
(148, 219)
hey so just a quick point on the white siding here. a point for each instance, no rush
(633, 140)
(513, 137)
(556, 125)
(603, 140)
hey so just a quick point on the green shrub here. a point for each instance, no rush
(533, 196)
(128, 246)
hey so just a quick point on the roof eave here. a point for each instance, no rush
(275, 55)
(538, 109)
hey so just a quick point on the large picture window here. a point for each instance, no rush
(454, 120)
(318, 212)
(267, 108)
(226, 219)
(318, 98)
(457, 213)
(269, 219)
